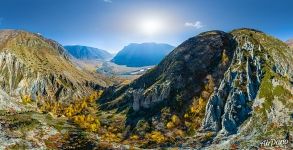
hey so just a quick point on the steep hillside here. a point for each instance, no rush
(182, 74)
(87, 53)
(32, 67)
(212, 86)
(145, 54)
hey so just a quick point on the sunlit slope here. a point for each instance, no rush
(36, 67)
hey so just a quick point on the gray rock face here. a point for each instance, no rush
(150, 97)
(231, 104)
(137, 97)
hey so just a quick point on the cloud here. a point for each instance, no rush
(196, 24)
(108, 1)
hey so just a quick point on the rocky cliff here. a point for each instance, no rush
(257, 56)
(37, 68)
(240, 77)
(255, 96)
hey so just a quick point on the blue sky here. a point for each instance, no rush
(112, 24)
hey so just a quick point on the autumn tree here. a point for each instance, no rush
(225, 58)
(194, 116)
(82, 111)
(156, 136)
(26, 99)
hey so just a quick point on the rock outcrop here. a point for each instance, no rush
(229, 106)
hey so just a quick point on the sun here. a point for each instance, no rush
(151, 26)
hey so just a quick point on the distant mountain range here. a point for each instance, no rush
(144, 54)
(87, 53)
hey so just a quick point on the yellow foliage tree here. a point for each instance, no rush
(170, 125)
(83, 104)
(179, 133)
(134, 137)
(82, 111)
(90, 118)
(209, 87)
(69, 111)
(192, 109)
(225, 58)
(208, 135)
(156, 136)
(196, 114)
(96, 95)
(26, 99)
(88, 122)
(175, 119)
(93, 127)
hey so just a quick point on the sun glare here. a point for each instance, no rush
(151, 26)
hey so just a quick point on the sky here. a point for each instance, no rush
(113, 24)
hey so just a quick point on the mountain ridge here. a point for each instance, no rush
(87, 53)
(142, 54)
